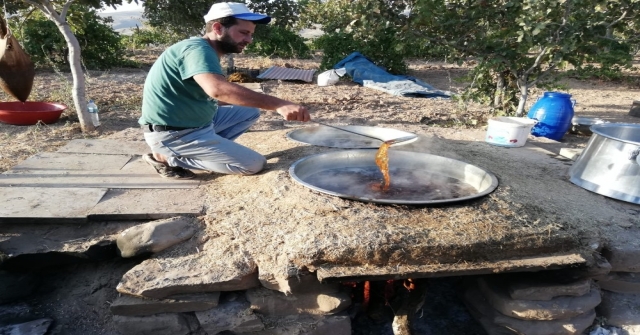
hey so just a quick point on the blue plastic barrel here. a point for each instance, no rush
(553, 112)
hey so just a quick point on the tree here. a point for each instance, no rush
(57, 11)
(518, 44)
(376, 28)
(185, 18)
(101, 46)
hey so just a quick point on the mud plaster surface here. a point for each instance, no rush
(283, 226)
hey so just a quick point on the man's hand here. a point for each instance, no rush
(294, 112)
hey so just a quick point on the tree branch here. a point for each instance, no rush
(537, 62)
(65, 9)
(624, 14)
(542, 75)
(35, 4)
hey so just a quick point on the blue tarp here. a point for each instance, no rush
(366, 73)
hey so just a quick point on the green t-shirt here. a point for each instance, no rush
(171, 96)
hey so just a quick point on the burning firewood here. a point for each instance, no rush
(408, 301)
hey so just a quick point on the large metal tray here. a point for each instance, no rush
(416, 178)
(335, 138)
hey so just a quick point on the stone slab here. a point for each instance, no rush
(36, 327)
(157, 324)
(563, 307)
(274, 303)
(361, 273)
(620, 310)
(234, 316)
(134, 173)
(621, 282)
(88, 179)
(106, 146)
(27, 204)
(536, 289)
(58, 163)
(571, 153)
(141, 204)
(133, 306)
(497, 323)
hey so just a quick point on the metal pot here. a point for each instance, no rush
(610, 164)
(416, 178)
(582, 125)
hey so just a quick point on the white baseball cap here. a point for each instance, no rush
(237, 10)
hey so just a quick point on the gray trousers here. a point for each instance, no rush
(211, 147)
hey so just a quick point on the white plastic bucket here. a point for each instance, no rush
(509, 131)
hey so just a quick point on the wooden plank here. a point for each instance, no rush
(28, 204)
(361, 273)
(123, 204)
(55, 162)
(106, 147)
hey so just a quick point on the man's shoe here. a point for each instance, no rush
(166, 171)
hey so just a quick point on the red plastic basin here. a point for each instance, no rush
(30, 112)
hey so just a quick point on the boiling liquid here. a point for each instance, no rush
(408, 185)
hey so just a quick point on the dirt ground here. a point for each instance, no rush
(82, 308)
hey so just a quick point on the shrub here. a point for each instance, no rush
(100, 45)
(381, 48)
(275, 41)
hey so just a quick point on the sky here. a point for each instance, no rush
(124, 8)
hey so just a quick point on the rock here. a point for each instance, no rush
(273, 303)
(194, 272)
(36, 246)
(621, 282)
(133, 306)
(36, 327)
(158, 324)
(621, 310)
(623, 257)
(496, 323)
(560, 307)
(155, 236)
(541, 290)
(235, 316)
(307, 324)
(14, 286)
(299, 283)
(14, 314)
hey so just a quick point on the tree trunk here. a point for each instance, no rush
(524, 93)
(78, 92)
(79, 89)
(498, 98)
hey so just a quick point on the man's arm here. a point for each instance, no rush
(218, 88)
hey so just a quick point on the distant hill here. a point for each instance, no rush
(125, 21)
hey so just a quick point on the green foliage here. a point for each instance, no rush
(142, 38)
(380, 49)
(527, 40)
(185, 18)
(375, 28)
(275, 41)
(42, 40)
(589, 71)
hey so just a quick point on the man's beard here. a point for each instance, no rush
(227, 45)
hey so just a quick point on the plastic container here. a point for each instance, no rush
(93, 112)
(553, 111)
(509, 131)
